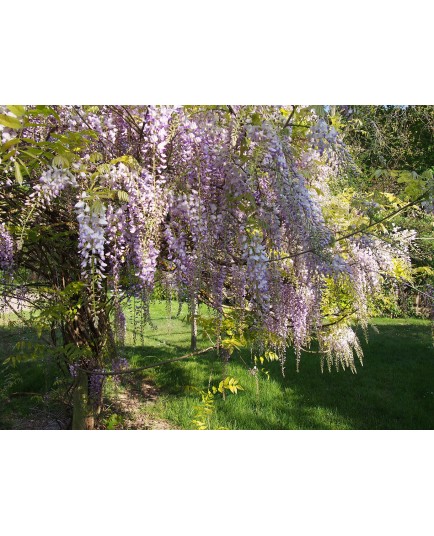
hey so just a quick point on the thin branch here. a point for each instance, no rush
(353, 233)
(101, 139)
(291, 115)
(339, 319)
(142, 130)
(26, 394)
(133, 121)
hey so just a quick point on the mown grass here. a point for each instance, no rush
(23, 385)
(393, 390)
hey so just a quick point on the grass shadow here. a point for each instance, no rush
(393, 390)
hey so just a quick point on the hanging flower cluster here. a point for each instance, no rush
(91, 217)
(6, 249)
(322, 137)
(51, 183)
(339, 345)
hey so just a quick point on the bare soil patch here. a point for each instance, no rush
(132, 405)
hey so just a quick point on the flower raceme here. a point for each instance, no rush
(51, 183)
(6, 249)
(91, 217)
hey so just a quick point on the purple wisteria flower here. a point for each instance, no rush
(6, 249)
(92, 221)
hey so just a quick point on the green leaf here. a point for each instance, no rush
(428, 174)
(256, 119)
(60, 161)
(271, 356)
(10, 143)
(319, 110)
(16, 109)
(104, 168)
(96, 157)
(129, 160)
(18, 174)
(378, 173)
(123, 196)
(10, 122)
(43, 110)
(24, 166)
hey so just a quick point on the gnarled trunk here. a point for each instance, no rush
(82, 413)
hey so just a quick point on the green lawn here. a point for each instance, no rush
(393, 390)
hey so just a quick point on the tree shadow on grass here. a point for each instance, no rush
(172, 378)
(393, 390)
(26, 385)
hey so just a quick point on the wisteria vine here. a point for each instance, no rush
(223, 204)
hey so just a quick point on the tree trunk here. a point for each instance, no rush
(82, 413)
(417, 307)
(194, 313)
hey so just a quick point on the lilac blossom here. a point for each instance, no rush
(92, 221)
(6, 249)
(51, 183)
(96, 383)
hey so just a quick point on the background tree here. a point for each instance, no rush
(393, 147)
(390, 137)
